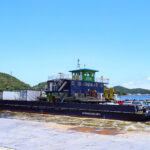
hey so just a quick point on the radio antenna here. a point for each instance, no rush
(78, 65)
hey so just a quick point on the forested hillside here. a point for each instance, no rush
(8, 82)
(131, 91)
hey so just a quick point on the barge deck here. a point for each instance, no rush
(105, 111)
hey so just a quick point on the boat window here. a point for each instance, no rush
(79, 83)
(73, 83)
(100, 85)
(96, 84)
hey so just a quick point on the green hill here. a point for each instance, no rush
(124, 90)
(40, 86)
(8, 82)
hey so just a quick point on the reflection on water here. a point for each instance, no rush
(79, 121)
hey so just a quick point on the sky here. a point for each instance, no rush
(39, 38)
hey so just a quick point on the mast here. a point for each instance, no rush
(78, 64)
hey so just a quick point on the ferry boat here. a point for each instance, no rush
(79, 96)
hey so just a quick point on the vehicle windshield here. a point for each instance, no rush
(140, 103)
(136, 102)
(128, 102)
(145, 103)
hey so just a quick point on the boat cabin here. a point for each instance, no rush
(81, 83)
(84, 74)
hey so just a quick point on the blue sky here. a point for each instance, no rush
(39, 38)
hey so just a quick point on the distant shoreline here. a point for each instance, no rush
(135, 94)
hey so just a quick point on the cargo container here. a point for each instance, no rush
(1, 95)
(29, 95)
(9, 95)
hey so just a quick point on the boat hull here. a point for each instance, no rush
(84, 110)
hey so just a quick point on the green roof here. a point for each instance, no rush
(85, 69)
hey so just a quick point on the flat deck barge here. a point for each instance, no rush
(119, 112)
(79, 96)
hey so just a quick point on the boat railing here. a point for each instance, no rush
(106, 81)
(62, 76)
(69, 77)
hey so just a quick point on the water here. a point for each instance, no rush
(83, 122)
(78, 121)
(18, 132)
(137, 97)
(21, 131)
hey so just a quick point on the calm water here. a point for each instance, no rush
(137, 97)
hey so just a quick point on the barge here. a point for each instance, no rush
(79, 96)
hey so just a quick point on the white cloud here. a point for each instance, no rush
(129, 84)
(138, 84)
